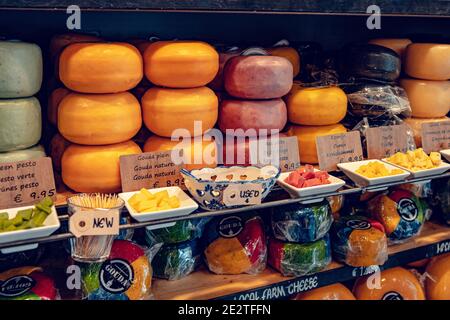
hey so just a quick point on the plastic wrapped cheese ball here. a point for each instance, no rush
(301, 223)
(299, 259)
(235, 244)
(336, 291)
(184, 230)
(401, 213)
(359, 241)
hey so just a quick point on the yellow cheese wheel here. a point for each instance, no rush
(289, 53)
(53, 104)
(100, 67)
(316, 106)
(438, 281)
(306, 136)
(395, 284)
(197, 154)
(428, 99)
(181, 64)
(165, 110)
(335, 291)
(416, 126)
(397, 44)
(430, 61)
(95, 168)
(96, 119)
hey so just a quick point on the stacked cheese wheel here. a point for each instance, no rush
(98, 116)
(180, 106)
(20, 111)
(428, 88)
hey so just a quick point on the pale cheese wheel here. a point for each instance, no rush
(416, 126)
(20, 155)
(430, 61)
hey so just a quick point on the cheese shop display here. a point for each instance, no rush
(299, 259)
(20, 123)
(20, 69)
(416, 126)
(438, 278)
(376, 169)
(428, 61)
(99, 119)
(395, 284)
(416, 160)
(397, 44)
(34, 152)
(301, 223)
(335, 291)
(235, 244)
(146, 201)
(359, 241)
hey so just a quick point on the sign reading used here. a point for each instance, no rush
(26, 182)
(384, 141)
(94, 223)
(242, 194)
(436, 136)
(338, 148)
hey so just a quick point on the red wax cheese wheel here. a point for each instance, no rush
(428, 99)
(258, 77)
(395, 284)
(438, 281)
(53, 104)
(258, 117)
(217, 83)
(428, 61)
(335, 291)
(398, 45)
(416, 125)
(57, 147)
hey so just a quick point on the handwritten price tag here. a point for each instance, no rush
(242, 194)
(385, 141)
(436, 136)
(338, 148)
(94, 223)
(282, 152)
(26, 182)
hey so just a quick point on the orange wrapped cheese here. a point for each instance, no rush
(335, 291)
(416, 126)
(430, 61)
(438, 281)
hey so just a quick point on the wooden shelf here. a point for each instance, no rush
(270, 284)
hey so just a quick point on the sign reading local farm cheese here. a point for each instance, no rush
(436, 136)
(384, 141)
(149, 170)
(26, 182)
(338, 148)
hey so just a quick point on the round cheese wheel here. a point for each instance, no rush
(335, 291)
(53, 104)
(258, 77)
(96, 119)
(306, 136)
(438, 281)
(60, 41)
(25, 154)
(316, 106)
(20, 69)
(416, 126)
(395, 284)
(428, 99)
(217, 83)
(289, 53)
(100, 67)
(196, 154)
(56, 148)
(166, 110)
(20, 123)
(259, 117)
(181, 64)
(430, 61)
(95, 168)
(397, 44)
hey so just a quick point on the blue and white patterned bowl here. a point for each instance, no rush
(207, 185)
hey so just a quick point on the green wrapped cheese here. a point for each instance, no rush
(184, 230)
(20, 155)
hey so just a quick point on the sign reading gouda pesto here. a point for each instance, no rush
(384, 141)
(436, 136)
(26, 182)
(338, 148)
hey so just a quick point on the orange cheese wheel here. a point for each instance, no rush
(306, 136)
(395, 284)
(57, 147)
(430, 61)
(289, 53)
(316, 106)
(53, 104)
(335, 291)
(197, 154)
(165, 110)
(95, 168)
(397, 44)
(181, 64)
(96, 119)
(100, 67)
(428, 99)
(438, 281)
(60, 41)
(416, 126)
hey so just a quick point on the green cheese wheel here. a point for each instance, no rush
(20, 123)
(20, 155)
(20, 69)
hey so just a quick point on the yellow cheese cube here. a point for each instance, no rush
(147, 205)
(159, 196)
(147, 194)
(174, 202)
(136, 199)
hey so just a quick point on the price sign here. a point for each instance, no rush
(26, 182)
(338, 148)
(94, 223)
(242, 194)
(384, 141)
(149, 170)
(436, 136)
(281, 152)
